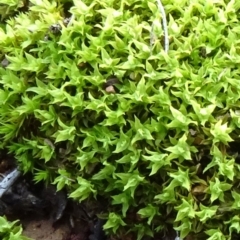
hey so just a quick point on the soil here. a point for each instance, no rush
(42, 229)
(44, 213)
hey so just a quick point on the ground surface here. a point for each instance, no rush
(42, 229)
(44, 213)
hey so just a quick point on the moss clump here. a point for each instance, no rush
(159, 143)
(10, 230)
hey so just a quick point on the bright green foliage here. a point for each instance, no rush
(10, 231)
(160, 149)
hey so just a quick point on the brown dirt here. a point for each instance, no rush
(42, 229)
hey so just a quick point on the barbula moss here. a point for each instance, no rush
(160, 144)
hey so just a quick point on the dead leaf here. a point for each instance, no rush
(199, 189)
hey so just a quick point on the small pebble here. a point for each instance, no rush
(110, 89)
(5, 63)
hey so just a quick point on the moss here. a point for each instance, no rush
(156, 144)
